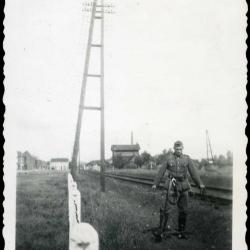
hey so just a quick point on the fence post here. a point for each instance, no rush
(81, 235)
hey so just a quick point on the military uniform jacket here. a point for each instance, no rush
(178, 167)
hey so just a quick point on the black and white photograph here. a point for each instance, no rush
(124, 125)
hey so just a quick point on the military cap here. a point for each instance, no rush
(178, 144)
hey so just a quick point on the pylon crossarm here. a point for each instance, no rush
(96, 45)
(92, 108)
(93, 75)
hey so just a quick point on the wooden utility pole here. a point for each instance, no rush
(97, 12)
(102, 176)
(73, 164)
(132, 138)
(209, 149)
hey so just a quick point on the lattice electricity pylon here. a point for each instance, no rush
(210, 156)
(97, 13)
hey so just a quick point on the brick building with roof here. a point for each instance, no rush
(125, 152)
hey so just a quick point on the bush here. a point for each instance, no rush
(138, 161)
(118, 161)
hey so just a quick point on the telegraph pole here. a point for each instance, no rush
(97, 12)
(102, 176)
(73, 164)
(209, 148)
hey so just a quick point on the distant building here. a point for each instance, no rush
(27, 161)
(20, 161)
(95, 167)
(126, 153)
(61, 164)
(125, 150)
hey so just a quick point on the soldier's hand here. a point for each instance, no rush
(154, 187)
(173, 181)
(202, 190)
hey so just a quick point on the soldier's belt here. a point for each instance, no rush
(178, 178)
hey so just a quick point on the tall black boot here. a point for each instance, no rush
(157, 233)
(165, 222)
(161, 218)
(182, 226)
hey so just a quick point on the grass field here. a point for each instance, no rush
(119, 215)
(42, 216)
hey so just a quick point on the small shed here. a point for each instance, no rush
(127, 152)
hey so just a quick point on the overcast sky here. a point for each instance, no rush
(172, 70)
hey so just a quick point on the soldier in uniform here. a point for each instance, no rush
(175, 169)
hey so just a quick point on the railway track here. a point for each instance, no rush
(213, 194)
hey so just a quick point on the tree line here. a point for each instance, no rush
(145, 159)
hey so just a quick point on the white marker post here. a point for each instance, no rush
(81, 235)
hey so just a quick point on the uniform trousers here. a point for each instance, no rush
(182, 202)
